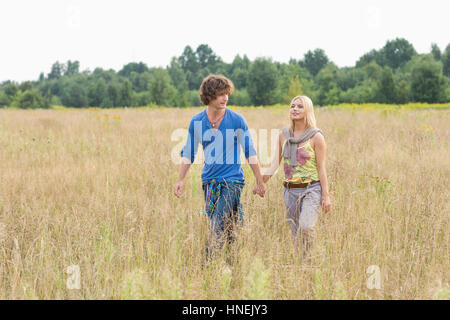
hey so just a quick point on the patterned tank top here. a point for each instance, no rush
(306, 170)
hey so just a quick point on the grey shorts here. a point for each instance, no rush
(302, 207)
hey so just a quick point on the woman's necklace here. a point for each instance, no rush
(213, 123)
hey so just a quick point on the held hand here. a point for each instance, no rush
(260, 189)
(257, 190)
(178, 189)
(326, 203)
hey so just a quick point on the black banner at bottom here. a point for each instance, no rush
(216, 309)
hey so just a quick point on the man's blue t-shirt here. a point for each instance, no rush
(221, 147)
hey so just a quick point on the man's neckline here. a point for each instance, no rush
(206, 111)
(221, 121)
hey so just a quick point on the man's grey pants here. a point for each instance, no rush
(302, 211)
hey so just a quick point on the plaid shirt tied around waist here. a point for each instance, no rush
(213, 190)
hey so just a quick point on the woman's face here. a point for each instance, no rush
(297, 111)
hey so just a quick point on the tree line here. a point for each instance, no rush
(394, 74)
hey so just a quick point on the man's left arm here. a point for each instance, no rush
(246, 141)
(260, 185)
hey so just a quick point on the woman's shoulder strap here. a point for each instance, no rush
(317, 130)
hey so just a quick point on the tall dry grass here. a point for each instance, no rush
(94, 189)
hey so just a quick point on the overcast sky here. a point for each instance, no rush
(109, 34)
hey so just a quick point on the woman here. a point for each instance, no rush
(302, 148)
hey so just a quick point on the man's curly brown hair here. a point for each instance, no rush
(213, 86)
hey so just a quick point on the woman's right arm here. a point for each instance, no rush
(269, 172)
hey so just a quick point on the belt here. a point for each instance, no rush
(298, 185)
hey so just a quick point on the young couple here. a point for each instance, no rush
(221, 132)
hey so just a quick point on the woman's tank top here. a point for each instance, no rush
(306, 170)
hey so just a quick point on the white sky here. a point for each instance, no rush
(109, 34)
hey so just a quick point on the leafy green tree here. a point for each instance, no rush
(107, 75)
(142, 99)
(314, 61)
(56, 87)
(140, 81)
(386, 89)
(161, 88)
(403, 92)
(188, 60)
(362, 93)
(329, 92)
(143, 81)
(93, 99)
(177, 75)
(220, 68)
(107, 102)
(194, 98)
(238, 66)
(74, 95)
(47, 98)
(371, 56)
(262, 81)
(206, 57)
(397, 52)
(138, 67)
(134, 78)
(194, 79)
(30, 99)
(372, 71)
(427, 81)
(447, 90)
(125, 98)
(72, 68)
(26, 85)
(446, 61)
(112, 96)
(56, 71)
(55, 101)
(436, 52)
(347, 78)
(178, 78)
(11, 89)
(295, 89)
(290, 74)
(190, 65)
(5, 100)
(240, 98)
(239, 78)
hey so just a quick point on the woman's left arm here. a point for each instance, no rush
(320, 149)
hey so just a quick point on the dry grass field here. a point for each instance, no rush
(87, 210)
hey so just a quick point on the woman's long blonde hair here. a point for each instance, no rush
(310, 118)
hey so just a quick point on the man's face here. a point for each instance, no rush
(220, 102)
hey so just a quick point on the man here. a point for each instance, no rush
(221, 132)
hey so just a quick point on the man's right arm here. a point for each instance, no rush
(184, 167)
(187, 158)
